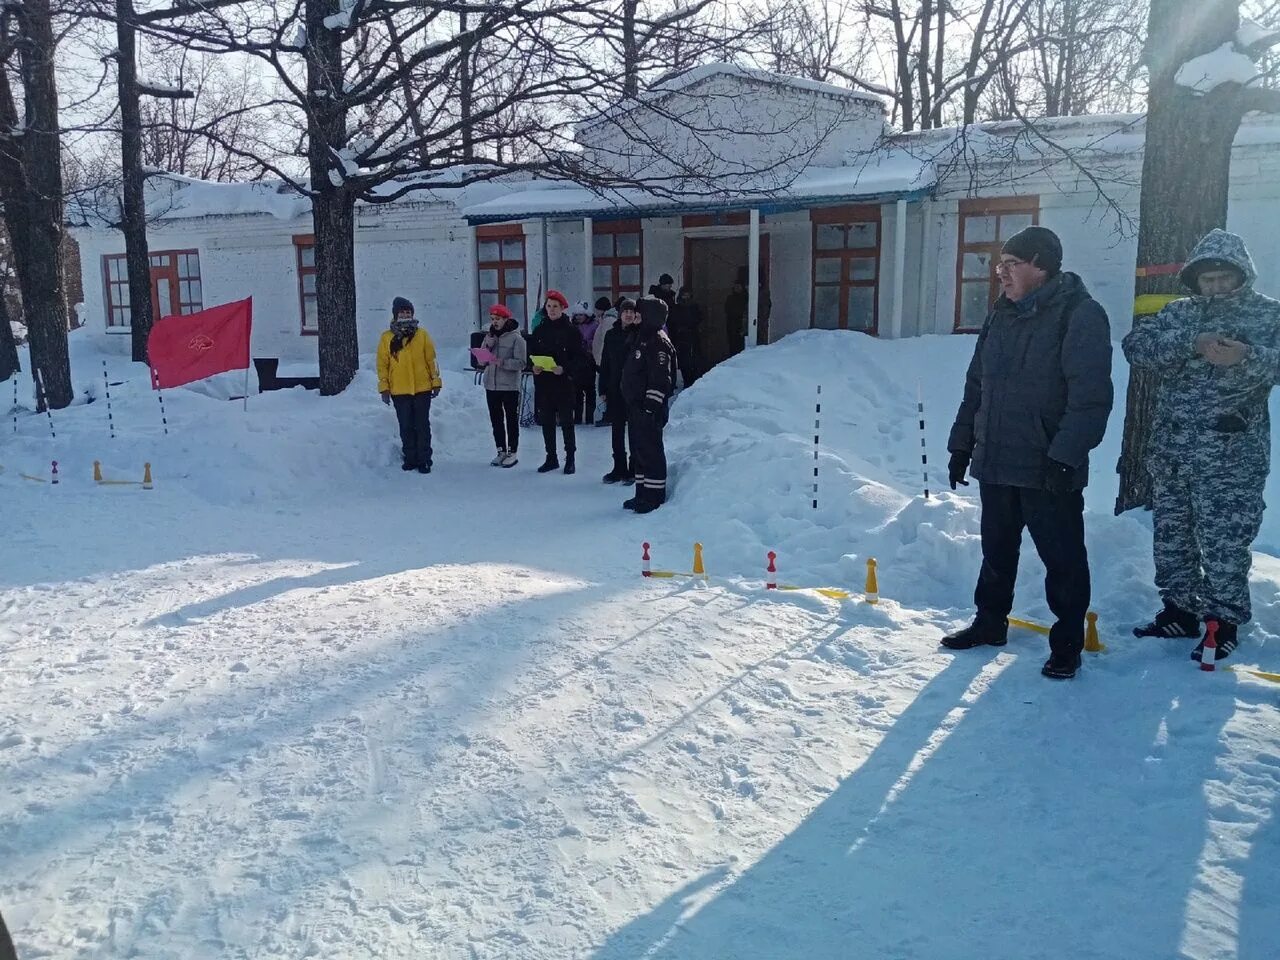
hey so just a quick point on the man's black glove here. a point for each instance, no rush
(1060, 478)
(958, 467)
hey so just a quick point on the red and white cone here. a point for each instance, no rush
(772, 582)
(644, 562)
(1209, 653)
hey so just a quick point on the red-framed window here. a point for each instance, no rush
(985, 224)
(304, 246)
(501, 271)
(617, 259)
(175, 286)
(846, 268)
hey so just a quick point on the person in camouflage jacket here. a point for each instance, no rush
(1218, 356)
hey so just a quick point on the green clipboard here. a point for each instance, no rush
(543, 362)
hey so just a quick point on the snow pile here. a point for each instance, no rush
(1212, 70)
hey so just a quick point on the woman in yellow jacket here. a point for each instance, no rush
(409, 376)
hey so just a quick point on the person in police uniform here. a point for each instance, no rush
(648, 380)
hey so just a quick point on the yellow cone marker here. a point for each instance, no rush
(1091, 642)
(698, 569)
(873, 588)
(97, 471)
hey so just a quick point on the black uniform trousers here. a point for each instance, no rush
(618, 428)
(648, 455)
(1056, 522)
(504, 417)
(413, 411)
(554, 401)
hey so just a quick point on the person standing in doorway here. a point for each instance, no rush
(1218, 357)
(502, 383)
(648, 380)
(1036, 400)
(665, 290)
(554, 390)
(409, 378)
(735, 316)
(685, 326)
(616, 347)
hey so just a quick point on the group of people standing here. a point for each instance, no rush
(1037, 399)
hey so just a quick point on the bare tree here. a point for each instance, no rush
(31, 188)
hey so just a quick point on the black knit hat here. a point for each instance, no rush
(665, 279)
(604, 303)
(400, 303)
(1038, 245)
(626, 303)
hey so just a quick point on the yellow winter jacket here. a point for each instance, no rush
(412, 370)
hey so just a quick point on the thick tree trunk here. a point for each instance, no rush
(8, 346)
(466, 95)
(1186, 172)
(41, 281)
(630, 49)
(133, 214)
(332, 204)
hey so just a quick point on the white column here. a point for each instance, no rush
(546, 266)
(928, 269)
(899, 266)
(474, 261)
(588, 261)
(753, 278)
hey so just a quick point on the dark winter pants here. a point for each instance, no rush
(584, 404)
(648, 455)
(1056, 522)
(1205, 522)
(618, 427)
(504, 406)
(414, 413)
(555, 402)
(687, 357)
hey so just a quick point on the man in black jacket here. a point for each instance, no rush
(685, 326)
(612, 359)
(1036, 401)
(648, 380)
(554, 390)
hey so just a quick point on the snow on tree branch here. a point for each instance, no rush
(1211, 70)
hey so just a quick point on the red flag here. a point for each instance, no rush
(183, 349)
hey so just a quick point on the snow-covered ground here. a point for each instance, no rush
(295, 703)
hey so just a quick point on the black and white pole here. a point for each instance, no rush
(155, 383)
(817, 420)
(15, 401)
(111, 424)
(924, 447)
(44, 401)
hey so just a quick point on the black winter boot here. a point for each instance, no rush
(1061, 666)
(1172, 621)
(631, 504)
(982, 632)
(551, 463)
(619, 472)
(1228, 639)
(569, 466)
(647, 504)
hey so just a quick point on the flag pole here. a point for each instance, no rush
(246, 389)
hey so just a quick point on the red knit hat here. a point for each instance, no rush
(498, 310)
(558, 297)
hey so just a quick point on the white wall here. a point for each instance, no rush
(663, 251)
(790, 272)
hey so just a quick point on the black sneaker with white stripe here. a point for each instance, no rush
(1172, 621)
(1227, 639)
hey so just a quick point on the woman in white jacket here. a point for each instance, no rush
(502, 382)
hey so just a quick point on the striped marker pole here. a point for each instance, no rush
(44, 401)
(924, 449)
(155, 384)
(15, 401)
(817, 419)
(111, 424)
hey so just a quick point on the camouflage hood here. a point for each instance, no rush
(1223, 247)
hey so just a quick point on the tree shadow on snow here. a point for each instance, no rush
(1042, 821)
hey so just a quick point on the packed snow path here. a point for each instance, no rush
(295, 703)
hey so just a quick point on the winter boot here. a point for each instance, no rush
(1172, 621)
(569, 466)
(648, 503)
(631, 504)
(497, 460)
(551, 463)
(1227, 637)
(1061, 666)
(510, 460)
(618, 473)
(425, 469)
(407, 466)
(984, 631)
